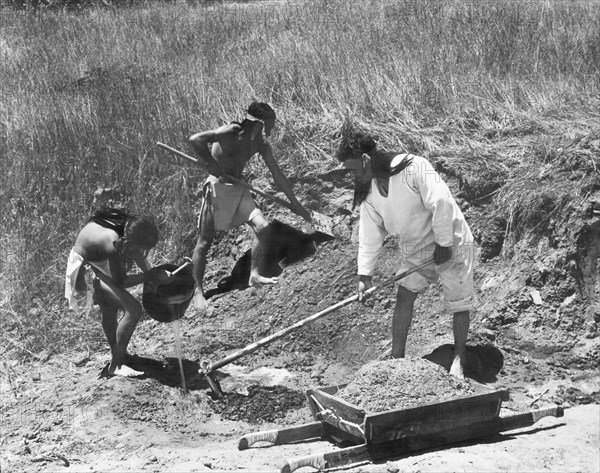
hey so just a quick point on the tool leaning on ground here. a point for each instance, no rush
(320, 222)
(208, 369)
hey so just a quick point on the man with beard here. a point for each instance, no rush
(401, 194)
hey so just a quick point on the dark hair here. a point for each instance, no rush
(111, 218)
(261, 110)
(354, 144)
(141, 231)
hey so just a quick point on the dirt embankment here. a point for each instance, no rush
(534, 333)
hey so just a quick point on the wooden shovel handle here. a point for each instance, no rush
(315, 461)
(250, 439)
(344, 456)
(526, 419)
(210, 367)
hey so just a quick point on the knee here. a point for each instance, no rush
(259, 224)
(133, 314)
(405, 297)
(201, 248)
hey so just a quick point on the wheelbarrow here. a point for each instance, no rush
(394, 433)
(208, 369)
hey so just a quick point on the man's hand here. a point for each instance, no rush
(158, 278)
(364, 283)
(441, 254)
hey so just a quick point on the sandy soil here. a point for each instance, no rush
(146, 425)
(57, 411)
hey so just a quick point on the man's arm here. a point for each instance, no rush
(438, 199)
(371, 233)
(135, 279)
(280, 179)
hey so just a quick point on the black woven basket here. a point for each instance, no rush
(168, 301)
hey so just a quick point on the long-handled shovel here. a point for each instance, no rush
(321, 223)
(208, 369)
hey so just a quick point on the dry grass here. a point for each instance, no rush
(86, 95)
(555, 182)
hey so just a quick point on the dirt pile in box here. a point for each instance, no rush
(401, 384)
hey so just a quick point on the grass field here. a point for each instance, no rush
(86, 94)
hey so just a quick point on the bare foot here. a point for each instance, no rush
(199, 302)
(457, 367)
(257, 279)
(123, 370)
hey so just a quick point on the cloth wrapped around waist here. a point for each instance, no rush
(73, 280)
(232, 205)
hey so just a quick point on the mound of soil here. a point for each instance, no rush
(282, 245)
(402, 383)
(262, 404)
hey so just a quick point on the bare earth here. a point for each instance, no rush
(56, 411)
(142, 425)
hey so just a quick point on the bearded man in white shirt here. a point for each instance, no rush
(402, 194)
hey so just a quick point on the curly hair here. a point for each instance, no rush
(141, 231)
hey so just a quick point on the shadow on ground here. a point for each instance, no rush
(482, 364)
(414, 446)
(166, 372)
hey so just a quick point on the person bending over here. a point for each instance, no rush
(401, 194)
(109, 241)
(225, 151)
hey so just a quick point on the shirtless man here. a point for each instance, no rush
(228, 205)
(109, 240)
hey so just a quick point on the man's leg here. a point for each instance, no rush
(403, 313)
(118, 333)
(460, 327)
(261, 248)
(125, 330)
(205, 240)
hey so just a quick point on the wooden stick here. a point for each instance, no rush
(321, 222)
(282, 333)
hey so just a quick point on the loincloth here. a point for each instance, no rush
(230, 204)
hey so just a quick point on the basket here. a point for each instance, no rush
(168, 301)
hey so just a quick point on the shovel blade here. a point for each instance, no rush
(322, 223)
(215, 386)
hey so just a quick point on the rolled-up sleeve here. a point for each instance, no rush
(371, 233)
(437, 199)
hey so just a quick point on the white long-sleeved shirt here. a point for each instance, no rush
(419, 209)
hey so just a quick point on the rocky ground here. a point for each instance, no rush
(533, 333)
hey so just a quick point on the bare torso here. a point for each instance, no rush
(235, 148)
(95, 244)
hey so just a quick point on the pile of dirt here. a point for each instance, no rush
(262, 404)
(575, 396)
(402, 383)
